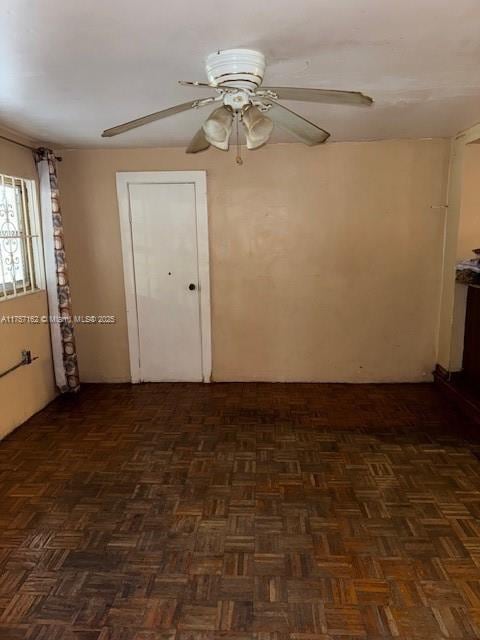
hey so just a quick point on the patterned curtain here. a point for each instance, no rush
(56, 274)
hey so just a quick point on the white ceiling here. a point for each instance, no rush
(71, 68)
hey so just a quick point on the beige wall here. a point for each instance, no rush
(469, 225)
(325, 262)
(28, 389)
(461, 229)
(468, 238)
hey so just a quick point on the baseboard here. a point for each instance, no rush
(452, 385)
(4, 433)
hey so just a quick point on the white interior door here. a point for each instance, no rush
(166, 279)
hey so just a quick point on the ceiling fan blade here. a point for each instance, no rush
(303, 129)
(198, 143)
(158, 115)
(331, 96)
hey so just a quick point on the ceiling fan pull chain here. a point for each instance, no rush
(238, 159)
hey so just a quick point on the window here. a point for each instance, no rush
(20, 248)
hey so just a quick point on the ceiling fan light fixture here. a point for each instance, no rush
(218, 127)
(258, 128)
(236, 75)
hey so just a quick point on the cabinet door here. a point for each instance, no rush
(471, 348)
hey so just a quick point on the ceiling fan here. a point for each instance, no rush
(236, 75)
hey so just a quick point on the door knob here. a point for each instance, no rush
(192, 287)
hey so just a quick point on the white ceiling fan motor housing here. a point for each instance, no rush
(237, 68)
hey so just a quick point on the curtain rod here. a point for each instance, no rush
(26, 146)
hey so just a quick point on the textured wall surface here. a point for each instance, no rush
(325, 262)
(28, 389)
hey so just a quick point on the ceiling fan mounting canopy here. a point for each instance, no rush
(236, 68)
(236, 75)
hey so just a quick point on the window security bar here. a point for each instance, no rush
(17, 238)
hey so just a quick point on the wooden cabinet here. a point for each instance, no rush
(471, 348)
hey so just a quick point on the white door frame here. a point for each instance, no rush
(199, 181)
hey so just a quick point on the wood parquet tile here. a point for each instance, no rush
(240, 512)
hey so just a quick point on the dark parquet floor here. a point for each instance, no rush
(241, 511)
